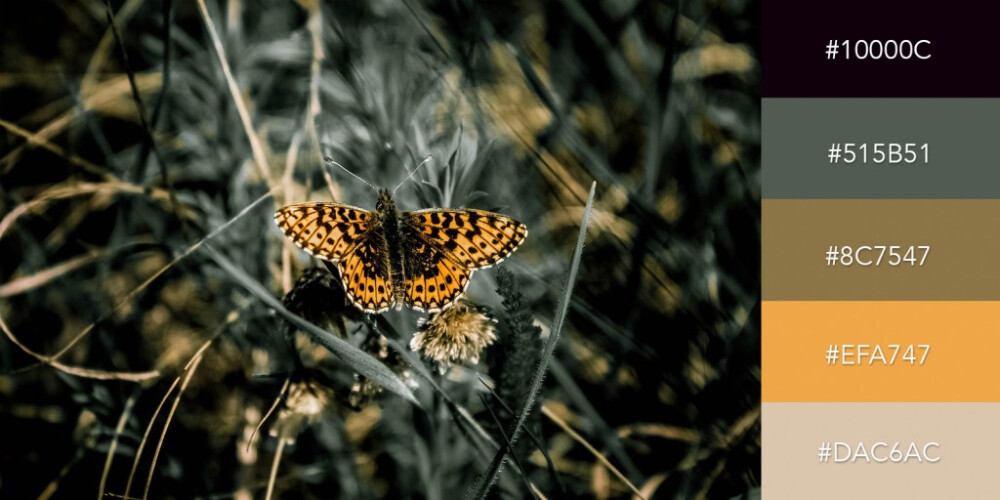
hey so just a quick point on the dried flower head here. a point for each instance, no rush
(362, 392)
(305, 404)
(317, 297)
(456, 334)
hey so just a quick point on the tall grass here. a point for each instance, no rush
(163, 340)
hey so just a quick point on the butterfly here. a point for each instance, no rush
(388, 258)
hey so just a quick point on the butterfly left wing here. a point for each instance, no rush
(326, 230)
(366, 274)
(344, 235)
(474, 239)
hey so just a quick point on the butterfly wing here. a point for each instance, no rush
(474, 239)
(441, 249)
(366, 274)
(326, 230)
(344, 235)
(433, 278)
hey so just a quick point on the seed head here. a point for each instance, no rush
(305, 404)
(455, 335)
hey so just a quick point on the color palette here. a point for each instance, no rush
(881, 252)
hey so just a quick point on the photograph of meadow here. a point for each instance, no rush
(429, 249)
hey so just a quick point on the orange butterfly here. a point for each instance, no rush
(386, 258)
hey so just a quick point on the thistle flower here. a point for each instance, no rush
(457, 334)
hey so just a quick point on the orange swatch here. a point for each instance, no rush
(880, 351)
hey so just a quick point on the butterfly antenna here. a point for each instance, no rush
(330, 160)
(426, 159)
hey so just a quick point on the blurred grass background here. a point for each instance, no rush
(133, 159)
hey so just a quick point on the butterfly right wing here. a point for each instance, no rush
(434, 280)
(474, 239)
(326, 230)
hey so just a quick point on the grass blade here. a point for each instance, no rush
(354, 357)
(122, 420)
(608, 437)
(507, 443)
(593, 451)
(534, 439)
(488, 478)
(461, 414)
(256, 146)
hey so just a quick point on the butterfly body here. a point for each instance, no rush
(387, 258)
(387, 217)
